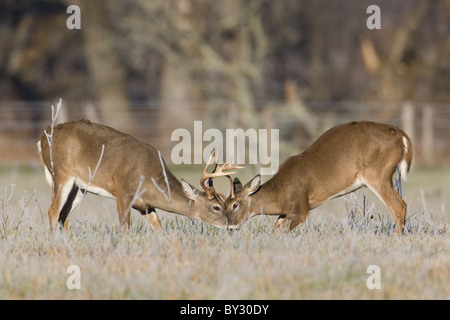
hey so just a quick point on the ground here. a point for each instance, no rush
(327, 257)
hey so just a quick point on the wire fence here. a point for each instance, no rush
(22, 123)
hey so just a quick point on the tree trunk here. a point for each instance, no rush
(107, 74)
(179, 92)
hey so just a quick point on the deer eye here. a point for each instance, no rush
(235, 205)
(216, 208)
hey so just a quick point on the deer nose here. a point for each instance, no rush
(233, 228)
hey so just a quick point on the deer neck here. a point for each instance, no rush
(264, 201)
(166, 193)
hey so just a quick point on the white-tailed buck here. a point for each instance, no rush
(344, 159)
(87, 157)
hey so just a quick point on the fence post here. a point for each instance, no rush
(427, 135)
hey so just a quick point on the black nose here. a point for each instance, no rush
(232, 228)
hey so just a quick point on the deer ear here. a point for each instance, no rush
(237, 185)
(253, 185)
(188, 190)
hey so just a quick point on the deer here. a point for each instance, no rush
(344, 159)
(128, 170)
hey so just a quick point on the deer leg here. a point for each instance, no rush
(393, 201)
(280, 221)
(123, 209)
(61, 192)
(298, 218)
(72, 201)
(290, 221)
(297, 212)
(152, 217)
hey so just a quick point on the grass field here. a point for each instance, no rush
(325, 258)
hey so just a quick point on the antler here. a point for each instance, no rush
(221, 173)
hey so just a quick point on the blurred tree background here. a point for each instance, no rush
(148, 67)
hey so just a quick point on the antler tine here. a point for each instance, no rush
(225, 167)
(230, 167)
(205, 176)
(220, 173)
(231, 187)
(210, 180)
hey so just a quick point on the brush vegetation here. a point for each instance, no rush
(324, 258)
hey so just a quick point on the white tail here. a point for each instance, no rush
(88, 157)
(403, 165)
(344, 159)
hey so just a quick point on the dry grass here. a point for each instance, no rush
(324, 258)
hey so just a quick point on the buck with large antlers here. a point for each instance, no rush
(344, 159)
(128, 170)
